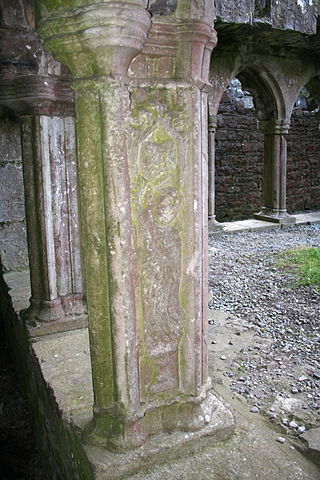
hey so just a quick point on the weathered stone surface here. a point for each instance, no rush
(13, 246)
(52, 218)
(11, 193)
(299, 15)
(311, 439)
(13, 242)
(57, 435)
(162, 7)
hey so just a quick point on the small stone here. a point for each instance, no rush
(317, 375)
(254, 409)
(301, 429)
(294, 390)
(211, 322)
(223, 357)
(285, 421)
(280, 439)
(293, 424)
(303, 378)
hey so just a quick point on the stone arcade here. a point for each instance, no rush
(135, 82)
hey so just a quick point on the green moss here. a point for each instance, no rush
(105, 430)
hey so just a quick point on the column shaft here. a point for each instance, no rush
(48, 150)
(212, 127)
(275, 173)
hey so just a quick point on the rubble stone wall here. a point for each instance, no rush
(303, 168)
(13, 239)
(295, 15)
(239, 162)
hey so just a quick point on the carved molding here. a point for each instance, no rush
(34, 94)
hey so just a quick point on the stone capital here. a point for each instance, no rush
(34, 94)
(176, 50)
(278, 126)
(97, 39)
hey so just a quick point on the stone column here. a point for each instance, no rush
(46, 110)
(212, 127)
(275, 172)
(142, 160)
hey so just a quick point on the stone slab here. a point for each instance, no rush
(19, 289)
(311, 440)
(307, 218)
(251, 225)
(65, 363)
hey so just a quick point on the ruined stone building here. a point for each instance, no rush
(108, 116)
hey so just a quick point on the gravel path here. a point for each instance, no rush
(279, 372)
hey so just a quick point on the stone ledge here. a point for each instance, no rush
(65, 364)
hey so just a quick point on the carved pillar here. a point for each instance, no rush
(142, 160)
(212, 127)
(46, 110)
(275, 172)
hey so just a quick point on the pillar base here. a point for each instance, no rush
(121, 432)
(213, 224)
(50, 316)
(275, 217)
(163, 447)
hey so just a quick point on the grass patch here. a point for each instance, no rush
(304, 263)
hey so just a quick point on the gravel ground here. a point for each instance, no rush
(279, 372)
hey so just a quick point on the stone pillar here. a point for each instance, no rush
(212, 127)
(142, 160)
(275, 172)
(49, 164)
(46, 111)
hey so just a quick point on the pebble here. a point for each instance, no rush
(293, 424)
(283, 319)
(254, 409)
(280, 439)
(223, 357)
(301, 429)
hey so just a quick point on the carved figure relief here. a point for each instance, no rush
(158, 204)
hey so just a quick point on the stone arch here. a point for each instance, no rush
(265, 90)
(273, 110)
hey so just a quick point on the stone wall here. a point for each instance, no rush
(239, 162)
(13, 240)
(57, 438)
(296, 15)
(303, 168)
